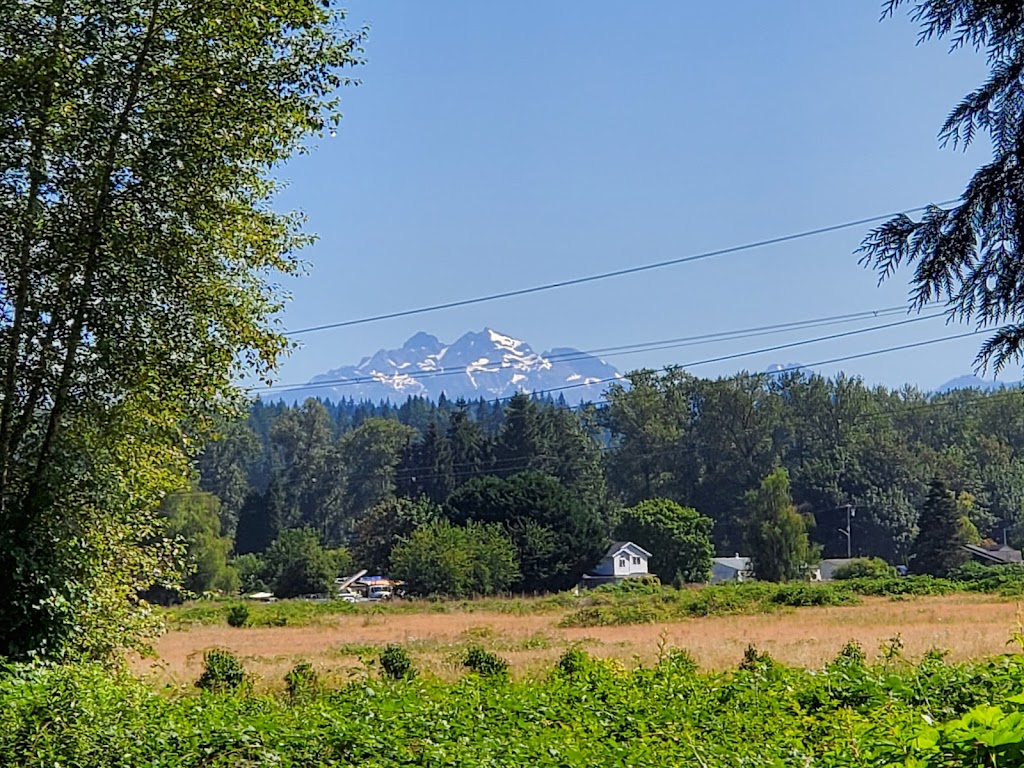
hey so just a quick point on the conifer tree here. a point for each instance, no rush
(938, 548)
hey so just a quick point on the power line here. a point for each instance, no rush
(739, 355)
(612, 274)
(626, 349)
(794, 368)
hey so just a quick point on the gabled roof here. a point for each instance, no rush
(736, 563)
(618, 546)
(999, 555)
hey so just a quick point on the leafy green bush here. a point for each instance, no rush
(800, 595)
(485, 663)
(238, 615)
(864, 568)
(396, 664)
(222, 672)
(302, 681)
(851, 714)
(649, 584)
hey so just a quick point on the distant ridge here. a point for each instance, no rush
(970, 381)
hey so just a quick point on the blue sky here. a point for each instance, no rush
(495, 146)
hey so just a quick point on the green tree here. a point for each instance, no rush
(456, 560)
(139, 253)
(193, 516)
(225, 468)
(427, 469)
(469, 446)
(376, 533)
(968, 256)
(251, 569)
(295, 564)
(776, 533)
(309, 474)
(678, 538)
(942, 532)
(528, 505)
(371, 454)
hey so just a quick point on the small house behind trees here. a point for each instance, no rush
(725, 569)
(994, 554)
(623, 560)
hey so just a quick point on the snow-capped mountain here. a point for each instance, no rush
(484, 364)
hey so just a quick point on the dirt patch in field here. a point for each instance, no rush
(969, 626)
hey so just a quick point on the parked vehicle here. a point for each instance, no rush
(379, 592)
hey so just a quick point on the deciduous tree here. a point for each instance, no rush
(776, 533)
(678, 538)
(138, 253)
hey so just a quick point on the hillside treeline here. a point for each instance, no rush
(328, 467)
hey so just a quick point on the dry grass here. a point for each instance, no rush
(969, 626)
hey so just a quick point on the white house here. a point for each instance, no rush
(730, 569)
(623, 560)
(826, 569)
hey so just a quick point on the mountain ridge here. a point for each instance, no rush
(483, 363)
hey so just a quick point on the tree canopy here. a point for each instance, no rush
(557, 536)
(678, 538)
(456, 560)
(138, 264)
(776, 533)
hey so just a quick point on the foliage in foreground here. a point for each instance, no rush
(585, 712)
(140, 258)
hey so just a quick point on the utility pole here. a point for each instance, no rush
(851, 512)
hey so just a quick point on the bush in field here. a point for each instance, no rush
(238, 615)
(642, 585)
(800, 595)
(396, 664)
(864, 568)
(485, 663)
(302, 681)
(222, 672)
(588, 712)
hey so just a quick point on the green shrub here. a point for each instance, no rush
(864, 568)
(574, 662)
(643, 585)
(851, 654)
(302, 681)
(238, 615)
(222, 672)
(396, 664)
(800, 595)
(754, 660)
(851, 714)
(485, 663)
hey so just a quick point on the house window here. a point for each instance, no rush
(636, 561)
(622, 562)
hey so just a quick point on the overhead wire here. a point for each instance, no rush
(613, 273)
(628, 349)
